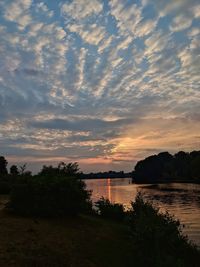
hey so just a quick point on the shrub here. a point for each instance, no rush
(50, 196)
(110, 210)
(158, 237)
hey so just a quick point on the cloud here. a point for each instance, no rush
(81, 68)
(92, 34)
(162, 133)
(156, 43)
(180, 23)
(126, 15)
(29, 72)
(35, 28)
(80, 9)
(189, 56)
(124, 43)
(43, 8)
(105, 43)
(172, 7)
(79, 125)
(194, 32)
(196, 11)
(146, 27)
(18, 11)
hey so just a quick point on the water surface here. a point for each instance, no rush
(181, 200)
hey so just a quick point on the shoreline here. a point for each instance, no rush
(149, 182)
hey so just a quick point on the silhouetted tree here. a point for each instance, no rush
(23, 172)
(158, 237)
(195, 165)
(63, 169)
(152, 168)
(14, 170)
(69, 169)
(165, 167)
(3, 166)
(22, 169)
(50, 193)
(182, 165)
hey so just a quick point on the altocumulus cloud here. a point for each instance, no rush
(101, 82)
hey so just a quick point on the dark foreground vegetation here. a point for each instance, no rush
(49, 220)
(140, 237)
(164, 167)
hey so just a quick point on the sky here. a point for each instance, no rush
(104, 83)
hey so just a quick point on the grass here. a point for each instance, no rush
(76, 242)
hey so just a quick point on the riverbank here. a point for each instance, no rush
(83, 241)
(92, 241)
(180, 199)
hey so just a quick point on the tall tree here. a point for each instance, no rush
(3, 166)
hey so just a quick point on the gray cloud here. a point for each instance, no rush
(80, 125)
(29, 72)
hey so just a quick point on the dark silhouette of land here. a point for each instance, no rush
(48, 220)
(167, 168)
(183, 167)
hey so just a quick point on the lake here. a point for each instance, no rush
(181, 200)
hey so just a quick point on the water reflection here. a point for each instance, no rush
(172, 194)
(109, 189)
(181, 200)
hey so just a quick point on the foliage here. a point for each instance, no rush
(3, 166)
(182, 167)
(17, 175)
(70, 169)
(159, 237)
(55, 191)
(110, 210)
(156, 238)
(48, 195)
(14, 170)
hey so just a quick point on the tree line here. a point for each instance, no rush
(164, 167)
(103, 175)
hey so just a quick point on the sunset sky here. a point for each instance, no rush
(104, 83)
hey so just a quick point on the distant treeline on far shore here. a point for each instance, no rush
(164, 167)
(160, 168)
(103, 175)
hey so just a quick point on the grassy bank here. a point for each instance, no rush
(141, 237)
(79, 242)
(82, 241)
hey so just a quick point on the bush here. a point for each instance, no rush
(50, 196)
(158, 237)
(110, 210)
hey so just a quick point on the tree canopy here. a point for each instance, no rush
(165, 167)
(3, 166)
